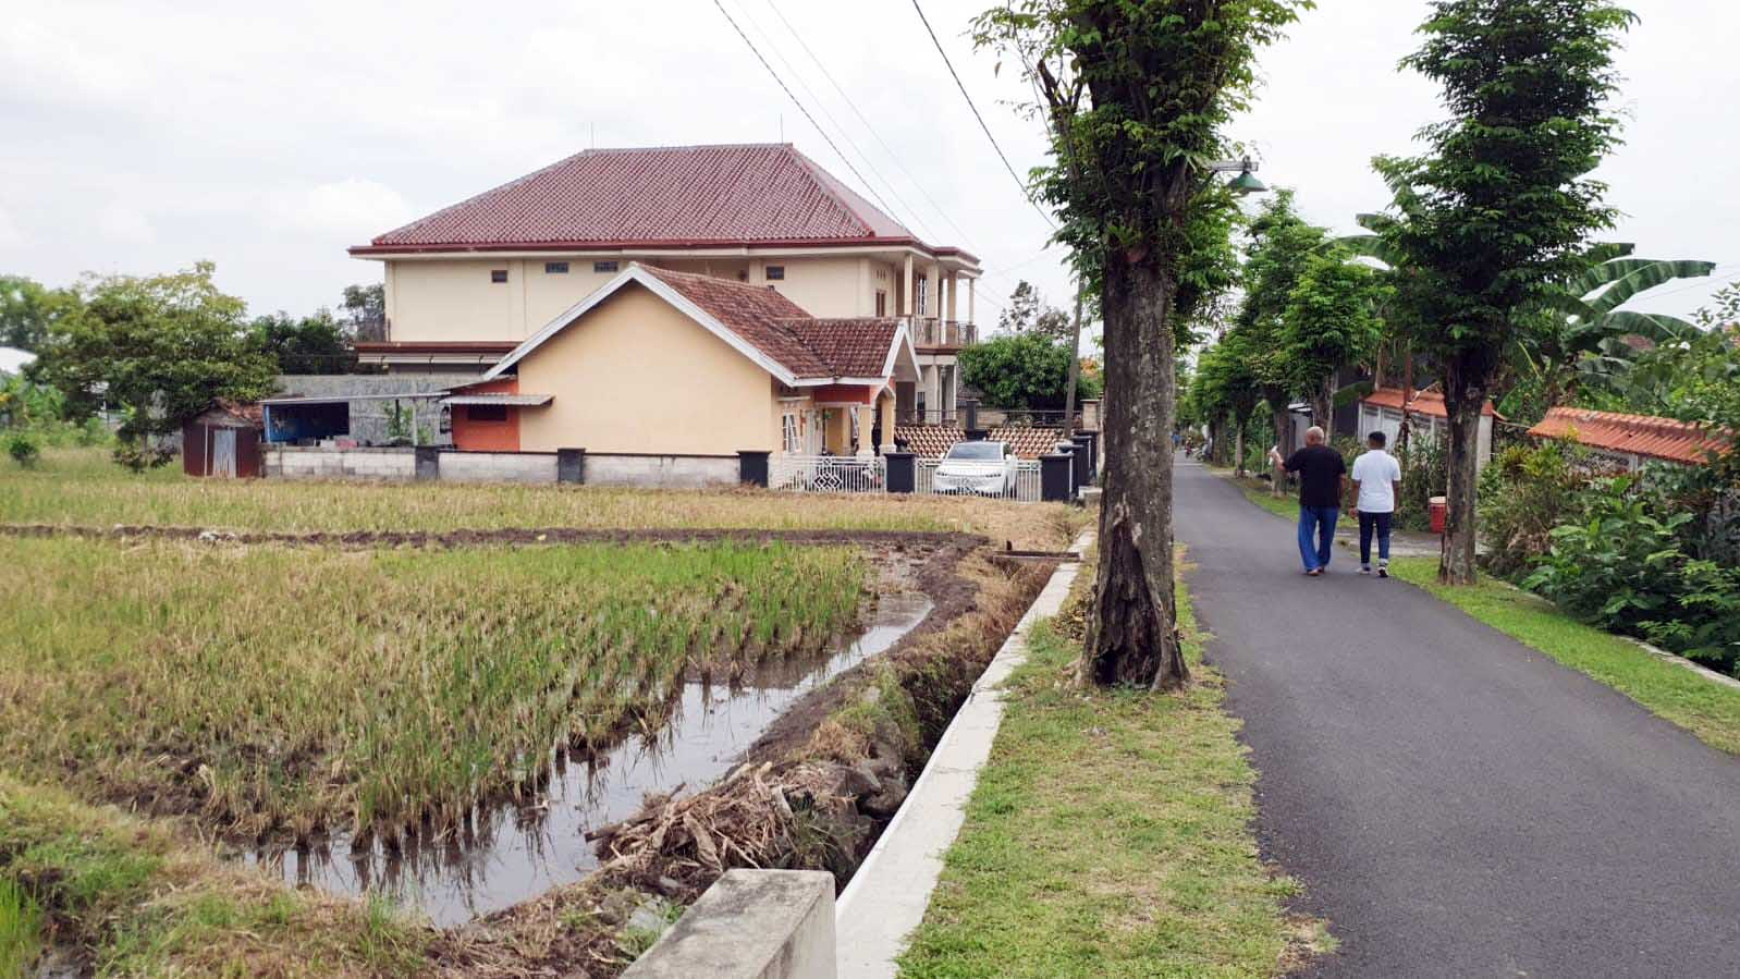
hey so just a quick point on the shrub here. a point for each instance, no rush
(1623, 565)
(1524, 494)
(23, 449)
(1425, 474)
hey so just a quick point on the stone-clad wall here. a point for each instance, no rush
(650, 471)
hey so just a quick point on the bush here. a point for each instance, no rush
(1425, 474)
(1622, 564)
(1524, 494)
(23, 449)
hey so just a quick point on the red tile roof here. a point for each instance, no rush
(931, 441)
(1424, 402)
(1644, 435)
(681, 196)
(808, 347)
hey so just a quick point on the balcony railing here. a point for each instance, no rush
(929, 332)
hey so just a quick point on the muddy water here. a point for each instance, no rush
(518, 852)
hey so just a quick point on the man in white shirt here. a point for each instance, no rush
(1377, 485)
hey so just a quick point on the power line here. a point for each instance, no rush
(1025, 192)
(801, 108)
(870, 126)
(844, 134)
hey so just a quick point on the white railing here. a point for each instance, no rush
(1020, 481)
(827, 474)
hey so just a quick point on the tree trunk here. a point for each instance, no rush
(1133, 634)
(1323, 406)
(1464, 401)
(1239, 450)
(1281, 424)
(1074, 375)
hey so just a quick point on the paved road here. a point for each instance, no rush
(1454, 803)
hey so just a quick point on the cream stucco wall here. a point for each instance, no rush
(454, 299)
(636, 375)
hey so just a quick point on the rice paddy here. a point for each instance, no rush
(81, 487)
(287, 692)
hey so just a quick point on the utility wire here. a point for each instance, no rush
(1025, 191)
(801, 108)
(864, 157)
(873, 130)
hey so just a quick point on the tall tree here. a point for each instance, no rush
(1331, 321)
(1135, 96)
(315, 344)
(28, 309)
(162, 349)
(1028, 312)
(1503, 200)
(1279, 251)
(1022, 370)
(365, 311)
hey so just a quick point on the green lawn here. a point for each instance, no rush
(1109, 836)
(1708, 709)
(1258, 492)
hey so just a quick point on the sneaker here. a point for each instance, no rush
(1365, 569)
(1315, 572)
(1383, 571)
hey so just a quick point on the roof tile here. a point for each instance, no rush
(664, 195)
(1644, 435)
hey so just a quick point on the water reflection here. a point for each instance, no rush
(504, 855)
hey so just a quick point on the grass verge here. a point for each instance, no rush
(1109, 836)
(1707, 709)
(288, 691)
(127, 897)
(80, 487)
(1257, 491)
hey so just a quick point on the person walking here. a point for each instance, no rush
(1377, 485)
(1322, 486)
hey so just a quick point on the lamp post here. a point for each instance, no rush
(1245, 182)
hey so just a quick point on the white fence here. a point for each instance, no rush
(1020, 481)
(827, 474)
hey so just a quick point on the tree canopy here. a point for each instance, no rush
(161, 349)
(28, 309)
(1028, 312)
(1022, 370)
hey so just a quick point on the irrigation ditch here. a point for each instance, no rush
(793, 765)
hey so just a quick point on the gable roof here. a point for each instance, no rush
(677, 196)
(1644, 435)
(758, 322)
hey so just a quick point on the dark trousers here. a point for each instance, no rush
(1368, 524)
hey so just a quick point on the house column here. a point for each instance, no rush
(954, 294)
(932, 392)
(971, 282)
(936, 277)
(906, 305)
(886, 404)
(953, 390)
(866, 429)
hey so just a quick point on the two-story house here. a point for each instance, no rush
(467, 284)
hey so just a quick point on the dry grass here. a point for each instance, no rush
(286, 690)
(76, 487)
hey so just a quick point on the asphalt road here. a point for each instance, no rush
(1454, 803)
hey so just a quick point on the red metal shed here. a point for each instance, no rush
(223, 441)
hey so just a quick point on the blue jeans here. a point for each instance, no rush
(1368, 523)
(1318, 522)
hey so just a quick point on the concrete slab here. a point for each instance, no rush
(751, 924)
(888, 896)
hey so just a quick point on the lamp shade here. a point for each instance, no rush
(1247, 183)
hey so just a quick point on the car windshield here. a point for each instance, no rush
(977, 451)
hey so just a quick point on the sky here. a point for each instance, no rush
(140, 137)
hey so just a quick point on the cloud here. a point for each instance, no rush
(352, 209)
(125, 224)
(10, 236)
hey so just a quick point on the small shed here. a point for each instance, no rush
(1383, 411)
(224, 440)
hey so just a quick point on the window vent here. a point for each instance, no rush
(498, 275)
(775, 273)
(555, 268)
(603, 267)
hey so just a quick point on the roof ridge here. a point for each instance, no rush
(829, 189)
(523, 178)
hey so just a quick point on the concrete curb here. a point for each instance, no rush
(887, 897)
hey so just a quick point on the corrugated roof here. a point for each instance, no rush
(672, 196)
(1425, 402)
(1644, 435)
(511, 400)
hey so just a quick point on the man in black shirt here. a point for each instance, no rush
(1322, 484)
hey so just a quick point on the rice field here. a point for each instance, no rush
(283, 692)
(81, 487)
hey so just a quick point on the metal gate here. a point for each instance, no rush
(1023, 485)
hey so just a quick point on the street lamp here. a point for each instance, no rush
(1245, 182)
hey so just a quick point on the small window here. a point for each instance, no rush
(486, 413)
(603, 267)
(790, 438)
(498, 275)
(775, 273)
(555, 268)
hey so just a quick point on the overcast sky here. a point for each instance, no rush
(141, 136)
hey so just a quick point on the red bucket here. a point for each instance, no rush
(1438, 506)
